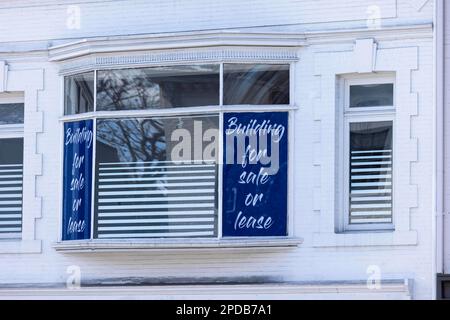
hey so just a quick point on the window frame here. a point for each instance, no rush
(361, 115)
(368, 80)
(219, 110)
(13, 131)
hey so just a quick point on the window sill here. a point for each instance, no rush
(20, 246)
(178, 244)
(365, 239)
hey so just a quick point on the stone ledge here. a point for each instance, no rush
(178, 244)
(400, 289)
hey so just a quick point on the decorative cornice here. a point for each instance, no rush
(268, 55)
(172, 41)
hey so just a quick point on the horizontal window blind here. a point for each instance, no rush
(156, 200)
(371, 173)
(11, 181)
(10, 200)
(371, 187)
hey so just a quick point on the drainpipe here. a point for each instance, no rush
(439, 183)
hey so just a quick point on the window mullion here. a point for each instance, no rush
(95, 90)
(220, 178)
(93, 176)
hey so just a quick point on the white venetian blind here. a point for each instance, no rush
(11, 177)
(156, 200)
(371, 173)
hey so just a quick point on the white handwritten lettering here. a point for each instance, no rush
(77, 162)
(253, 200)
(76, 226)
(77, 183)
(243, 222)
(80, 136)
(252, 178)
(255, 128)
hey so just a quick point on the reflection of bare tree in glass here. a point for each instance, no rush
(140, 143)
(256, 84)
(135, 140)
(132, 89)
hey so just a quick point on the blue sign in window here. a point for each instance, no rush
(77, 182)
(255, 174)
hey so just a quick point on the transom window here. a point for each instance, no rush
(167, 175)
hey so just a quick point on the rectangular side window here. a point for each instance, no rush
(368, 155)
(79, 93)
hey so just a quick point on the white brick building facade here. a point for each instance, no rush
(325, 42)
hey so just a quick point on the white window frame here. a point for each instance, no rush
(218, 110)
(367, 80)
(12, 131)
(360, 115)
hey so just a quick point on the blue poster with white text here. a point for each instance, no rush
(77, 184)
(255, 174)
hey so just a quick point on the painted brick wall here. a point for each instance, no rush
(25, 20)
(37, 20)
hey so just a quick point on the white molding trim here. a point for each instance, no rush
(30, 82)
(179, 111)
(385, 33)
(402, 61)
(401, 289)
(175, 244)
(187, 56)
(171, 41)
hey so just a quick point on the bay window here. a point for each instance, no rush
(151, 157)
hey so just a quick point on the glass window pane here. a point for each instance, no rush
(371, 157)
(79, 93)
(11, 113)
(11, 176)
(157, 177)
(373, 95)
(256, 84)
(158, 87)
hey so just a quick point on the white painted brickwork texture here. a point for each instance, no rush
(25, 23)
